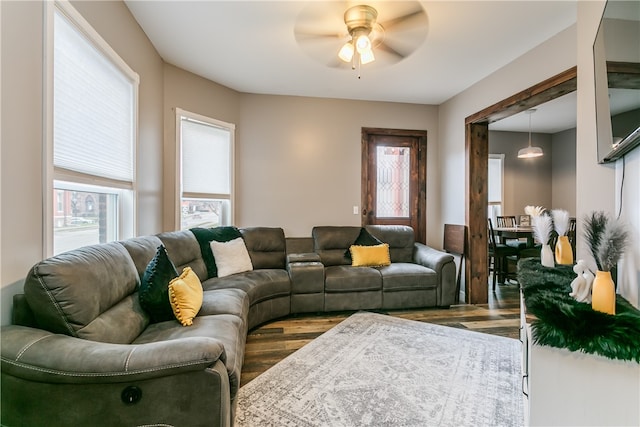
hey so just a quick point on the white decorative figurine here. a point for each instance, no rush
(581, 285)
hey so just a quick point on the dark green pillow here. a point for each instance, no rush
(154, 288)
(364, 239)
(219, 234)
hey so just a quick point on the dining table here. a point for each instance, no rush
(516, 232)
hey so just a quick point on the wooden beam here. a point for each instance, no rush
(476, 269)
(623, 75)
(552, 88)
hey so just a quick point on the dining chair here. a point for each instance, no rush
(455, 237)
(497, 259)
(509, 221)
(506, 221)
(571, 234)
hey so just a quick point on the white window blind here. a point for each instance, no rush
(93, 110)
(495, 180)
(206, 155)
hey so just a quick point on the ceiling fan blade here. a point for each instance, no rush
(391, 23)
(386, 48)
(338, 63)
(309, 35)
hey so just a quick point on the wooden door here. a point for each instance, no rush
(394, 178)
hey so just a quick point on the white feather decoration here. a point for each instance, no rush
(560, 221)
(542, 228)
(534, 211)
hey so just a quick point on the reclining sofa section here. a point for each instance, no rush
(82, 350)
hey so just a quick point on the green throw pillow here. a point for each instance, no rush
(219, 234)
(364, 239)
(154, 288)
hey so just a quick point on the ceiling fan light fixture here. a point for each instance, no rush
(360, 21)
(530, 152)
(363, 44)
(367, 56)
(346, 52)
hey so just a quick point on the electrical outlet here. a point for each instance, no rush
(356, 211)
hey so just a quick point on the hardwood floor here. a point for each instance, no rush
(272, 342)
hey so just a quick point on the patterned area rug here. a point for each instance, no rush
(377, 370)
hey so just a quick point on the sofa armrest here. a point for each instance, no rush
(444, 266)
(303, 257)
(37, 355)
(306, 273)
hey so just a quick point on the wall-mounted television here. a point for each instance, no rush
(616, 53)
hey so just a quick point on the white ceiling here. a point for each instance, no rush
(250, 46)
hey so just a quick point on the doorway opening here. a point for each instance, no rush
(477, 157)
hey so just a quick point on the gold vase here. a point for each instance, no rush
(603, 293)
(564, 252)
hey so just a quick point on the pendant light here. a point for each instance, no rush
(530, 152)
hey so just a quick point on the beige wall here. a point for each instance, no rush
(192, 93)
(595, 183)
(563, 151)
(549, 181)
(526, 181)
(299, 159)
(21, 50)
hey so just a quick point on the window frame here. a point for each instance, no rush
(127, 219)
(179, 194)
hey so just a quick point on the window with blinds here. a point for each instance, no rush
(495, 186)
(93, 135)
(206, 170)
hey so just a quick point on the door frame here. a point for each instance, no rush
(421, 135)
(476, 159)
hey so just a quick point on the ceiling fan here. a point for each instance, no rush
(342, 35)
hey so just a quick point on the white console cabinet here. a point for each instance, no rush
(565, 388)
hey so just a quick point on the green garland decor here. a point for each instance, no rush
(563, 322)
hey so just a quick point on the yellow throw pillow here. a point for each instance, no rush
(185, 296)
(370, 256)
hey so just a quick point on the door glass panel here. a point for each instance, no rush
(393, 181)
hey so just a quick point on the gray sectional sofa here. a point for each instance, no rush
(83, 351)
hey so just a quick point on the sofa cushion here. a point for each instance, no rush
(401, 276)
(345, 278)
(331, 243)
(154, 288)
(260, 285)
(205, 236)
(400, 239)
(225, 301)
(228, 329)
(142, 250)
(184, 250)
(185, 296)
(370, 256)
(267, 246)
(231, 257)
(88, 293)
(364, 239)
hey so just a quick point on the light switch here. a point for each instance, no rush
(356, 211)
